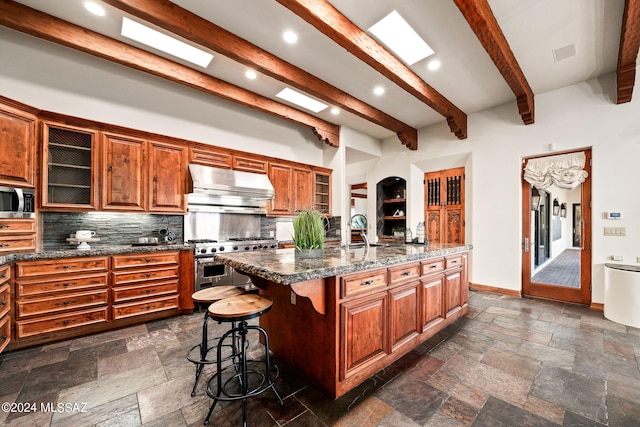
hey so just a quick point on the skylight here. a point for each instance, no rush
(157, 40)
(397, 35)
(301, 99)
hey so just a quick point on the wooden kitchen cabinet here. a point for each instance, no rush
(144, 284)
(281, 177)
(322, 191)
(69, 168)
(5, 306)
(123, 173)
(302, 189)
(17, 235)
(432, 281)
(59, 296)
(453, 285)
(211, 157)
(17, 146)
(364, 332)
(250, 164)
(167, 170)
(405, 323)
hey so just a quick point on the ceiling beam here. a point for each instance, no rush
(628, 53)
(328, 20)
(482, 21)
(198, 30)
(30, 21)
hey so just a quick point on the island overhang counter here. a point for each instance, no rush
(343, 317)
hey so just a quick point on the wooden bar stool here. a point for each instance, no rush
(208, 296)
(251, 382)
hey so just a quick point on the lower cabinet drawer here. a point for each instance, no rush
(44, 325)
(121, 311)
(64, 284)
(67, 266)
(145, 259)
(5, 273)
(5, 332)
(403, 273)
(356, 283)
(5, 299)
(18, 243)
(130, 277)
(54, 304)
(128, 293)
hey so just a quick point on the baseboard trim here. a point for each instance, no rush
(597, 306)
(509, 292)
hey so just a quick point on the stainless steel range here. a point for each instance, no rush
(224, 214)
(210, 273)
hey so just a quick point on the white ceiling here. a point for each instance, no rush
(467, 77)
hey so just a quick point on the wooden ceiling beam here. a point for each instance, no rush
(328, 20)
(482, 21)
(30, 21)
(628, 53)
(198, 30)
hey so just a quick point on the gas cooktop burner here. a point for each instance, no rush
(202, 241)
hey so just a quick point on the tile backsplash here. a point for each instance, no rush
(111, 228)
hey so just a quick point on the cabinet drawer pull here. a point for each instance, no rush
(2, 276)
(367, 282)
(148, 260)
(149, 307)
(64, 285)
(148, 291)
(455, 261)
(2, 245)
(2, 338)
(431, 267)
(65, 267)
(4, 226)
(2, 303)
(405, 273)
(65, 322)
(65, 303)
(149, 275)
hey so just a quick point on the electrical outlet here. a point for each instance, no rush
(616, 257)
(293, 298)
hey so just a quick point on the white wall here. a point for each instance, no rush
(579, 116)
(54, 78)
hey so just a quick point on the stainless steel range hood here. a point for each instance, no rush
(226, 190)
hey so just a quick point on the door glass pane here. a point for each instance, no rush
(555, 234)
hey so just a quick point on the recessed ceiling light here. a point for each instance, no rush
(94, 8)
(290, 37)
(335, 111)
(250, 74)
(301, 99)
(433, 65)
(157, 40)
(397, 35)
(378, 90)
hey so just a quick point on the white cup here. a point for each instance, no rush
(143, 240)
(85, 234)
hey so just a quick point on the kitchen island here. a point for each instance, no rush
(343, 317)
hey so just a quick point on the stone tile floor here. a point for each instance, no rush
(509, 362)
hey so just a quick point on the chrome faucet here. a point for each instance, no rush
(360, 221)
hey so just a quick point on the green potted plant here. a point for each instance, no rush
(308, 234)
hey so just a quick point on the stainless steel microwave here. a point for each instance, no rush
(17, 202)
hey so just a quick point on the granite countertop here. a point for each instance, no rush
(283, 267)
(96, 250)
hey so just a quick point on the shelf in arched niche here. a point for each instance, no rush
(391, 208)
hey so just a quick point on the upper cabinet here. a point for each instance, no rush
(302, 188)
(123, 173)
(69, 167)
(281, 177)
(167, 177)
(322, 193)
(211, 157)
(249, 164)
(17, 147)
